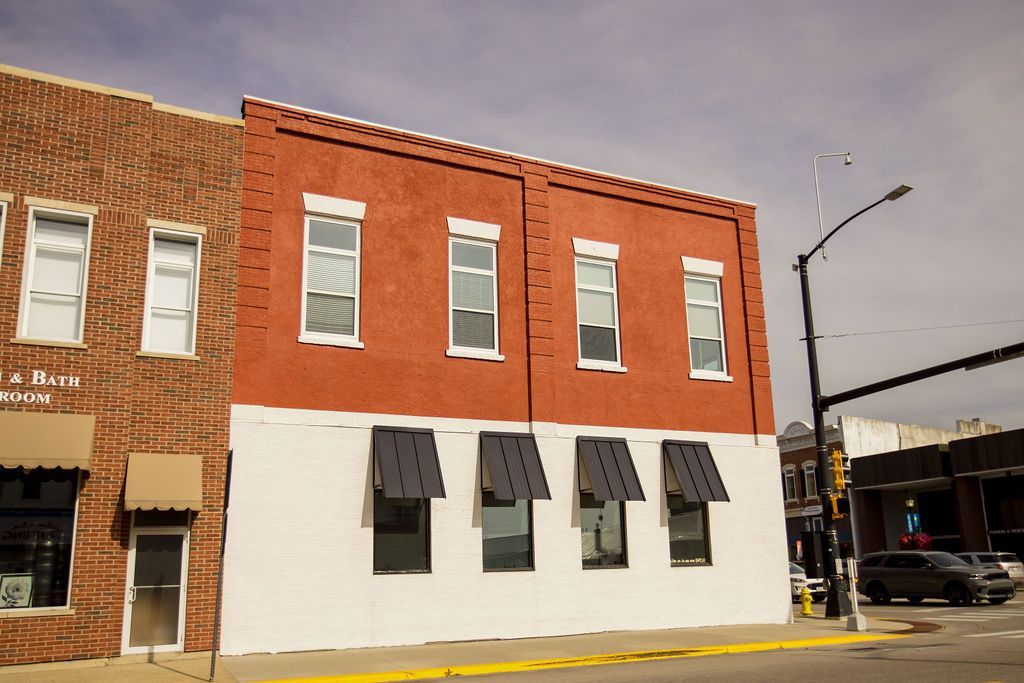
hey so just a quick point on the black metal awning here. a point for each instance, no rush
(992, 452)
(607, 469)
(406, 464)
(925, 463)
(512, 467)
(696, 476)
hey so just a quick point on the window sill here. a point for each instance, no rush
(711, 376)
(598, 567)
(49, 342)
(25, 612)
(598, 365)
(692, 564)
(502, 570)
(474, 354)
(331, 341)
(164, 354)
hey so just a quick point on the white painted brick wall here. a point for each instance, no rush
(299, 558)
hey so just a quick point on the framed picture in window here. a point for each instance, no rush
(15, 590)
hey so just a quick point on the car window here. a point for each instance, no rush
(1007, 557)
(983, 557)
(907, 562)
(794, 568)
(872, 561)
(946, 560)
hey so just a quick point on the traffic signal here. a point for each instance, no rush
(840, 470)
(840, 506)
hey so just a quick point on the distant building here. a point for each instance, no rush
(119, 239)
(902, 479)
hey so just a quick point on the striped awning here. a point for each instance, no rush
(512, 467)
(692, 472)
(406, 463)
(606, 469)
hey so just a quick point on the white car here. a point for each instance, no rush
(1008, 562)
(798, 581)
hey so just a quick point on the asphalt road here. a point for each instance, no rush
(982, 643)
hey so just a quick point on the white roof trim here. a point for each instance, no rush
(332, 206)
(603, 250)
(699, 266)
(499, 151)
(475, 229)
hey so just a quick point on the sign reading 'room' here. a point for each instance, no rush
(33, 386)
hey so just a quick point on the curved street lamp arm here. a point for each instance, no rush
(820, 244)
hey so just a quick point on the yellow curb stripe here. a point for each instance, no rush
(592, 660)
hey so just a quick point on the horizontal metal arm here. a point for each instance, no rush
(968, 363)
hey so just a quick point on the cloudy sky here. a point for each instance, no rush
(730, 98)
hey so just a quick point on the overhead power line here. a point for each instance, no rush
(919, 329)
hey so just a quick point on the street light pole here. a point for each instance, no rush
(838, 602)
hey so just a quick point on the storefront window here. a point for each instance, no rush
(507, 532)
(37, 528)
(603, 530)
(1004, 513)
(687, 532)
(401, 534)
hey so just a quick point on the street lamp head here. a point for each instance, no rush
(848, 160)
(898, 192)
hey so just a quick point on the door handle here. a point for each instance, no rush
(131, 595)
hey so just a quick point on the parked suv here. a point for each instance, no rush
(916, 575)
(1008, 562)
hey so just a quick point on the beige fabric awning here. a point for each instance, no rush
(158, 481)
(47, 440)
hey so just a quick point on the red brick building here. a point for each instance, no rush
(474, 392)
(117, 307)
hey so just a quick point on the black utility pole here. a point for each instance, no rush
(838, 602)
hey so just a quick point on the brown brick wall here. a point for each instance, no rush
(135, 163)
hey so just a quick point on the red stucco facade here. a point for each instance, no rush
(410, 184)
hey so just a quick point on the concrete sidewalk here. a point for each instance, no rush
(438, 660)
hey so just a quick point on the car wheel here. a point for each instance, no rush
(878, 594)
(916, 600)
(958, 595)
(997, 601)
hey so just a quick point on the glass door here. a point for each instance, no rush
(155, 601)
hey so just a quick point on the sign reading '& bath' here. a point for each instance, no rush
(33, 387)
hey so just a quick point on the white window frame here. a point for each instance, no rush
(607, 255)
(817, 524)
(706, 271)
(4, 206)
(472, 351)
(343, 340)
(177, 236)
(789, 474)
(810, 469)
(30, 241)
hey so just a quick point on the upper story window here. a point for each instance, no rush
(473, 289)
(4, 199)
(703, 288)
(330, 292)
(789, 482)
(810, 480)
(56, 274)
(597, 306)
(172, 294)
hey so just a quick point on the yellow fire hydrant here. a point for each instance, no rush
(805, 600)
